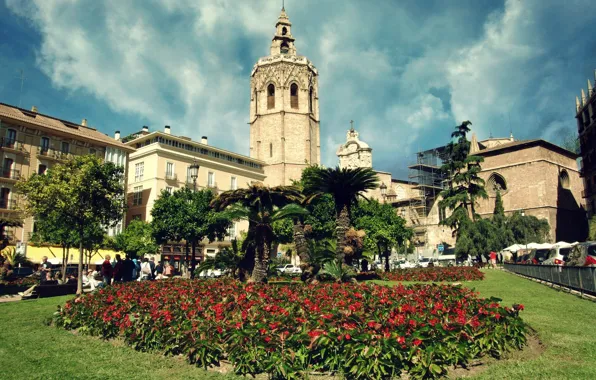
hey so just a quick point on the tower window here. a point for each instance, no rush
(270, 149)
(294, 95)
(284, 48)
(310, 100)
(256, 103)
(270, 96)
(284, 31)
(564, 179)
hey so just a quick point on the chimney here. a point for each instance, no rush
(84, 122)
(204, 140)
(34, 109)
(166, 129)
(117, 135)
(145, 129)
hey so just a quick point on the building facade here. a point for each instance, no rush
(585, 113)
(538, 178)
(161, 162)
(31, 142)
(284, 109)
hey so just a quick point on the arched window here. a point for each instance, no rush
(495, 183)
(270, 96)
(256, 102)
(284, 48)
(564, 179)
(310, 100)
(294, 95)
(284, 31)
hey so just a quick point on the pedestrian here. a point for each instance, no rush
(168, 270)
(118, 269)
(145, 270)
(152, 265)
(493, 259)
(44, 268)
(137, 270)
(107, 271)
(128, 268)
(159, 271)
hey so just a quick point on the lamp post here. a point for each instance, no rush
(523, 213)
(194, 173)
(383, 188)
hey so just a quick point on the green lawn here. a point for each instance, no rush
(31, 349)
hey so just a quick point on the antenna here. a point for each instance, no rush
(22, 78)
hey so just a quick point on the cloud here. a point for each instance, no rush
(406, 72)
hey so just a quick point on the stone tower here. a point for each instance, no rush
(354, 153)
(284, 109)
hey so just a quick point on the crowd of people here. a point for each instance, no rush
(131, 269)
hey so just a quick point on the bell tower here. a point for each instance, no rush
(284, 109)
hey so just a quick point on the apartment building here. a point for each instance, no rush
(162, 162)
(31, 142)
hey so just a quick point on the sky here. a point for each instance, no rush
(405, 71)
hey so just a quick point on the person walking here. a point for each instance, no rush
(145, 270)
(159, 271)
(118, 269)
(128, 268)
(493, 259)
(152, 265)
(107, 271)
(44, 269)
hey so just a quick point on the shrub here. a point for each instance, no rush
(357, 331)
(434, 274)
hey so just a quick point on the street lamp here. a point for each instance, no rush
(523, 213)
(194, 173)
(383, 188)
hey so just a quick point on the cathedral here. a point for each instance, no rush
(284, 109)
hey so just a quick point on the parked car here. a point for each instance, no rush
(583, 254)
(288, 269)
(557, 256)
(425, 261)
(210, 273)
(523, 255)
(537, 256)
(403, 264)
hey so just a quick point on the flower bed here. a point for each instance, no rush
(434, 274)
(358, 331)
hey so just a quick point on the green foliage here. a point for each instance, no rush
(346, 186)
(338, 271)
(10, 255)
(262, 207)
(384, 228)
(592, 228)
(465, 187)
(227, 259)
(485, 235)
(82, 192)
(137, 239)
(187, 215)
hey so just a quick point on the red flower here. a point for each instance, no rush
(348, 337)
(416, 342)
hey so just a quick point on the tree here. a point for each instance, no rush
(464, 184)
(187, 215)
(83, 191)
(262, 206)
(345, 186)
(384, 228)
(137, 239)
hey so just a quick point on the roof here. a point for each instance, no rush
(58, 125)
(523, 144)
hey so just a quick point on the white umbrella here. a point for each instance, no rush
(514, 248)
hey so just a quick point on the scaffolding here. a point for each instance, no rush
(426, 180)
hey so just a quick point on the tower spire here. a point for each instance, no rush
(283, 42)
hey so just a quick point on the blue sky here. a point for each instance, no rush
(405, 71)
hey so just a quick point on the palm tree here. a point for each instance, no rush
(261, 206)
(346, 186)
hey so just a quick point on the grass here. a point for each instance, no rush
(30, 349)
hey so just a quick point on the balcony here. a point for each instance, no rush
(171, 177)
(8, 174)
(13, 146)
(52, 154)
(8, 204)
